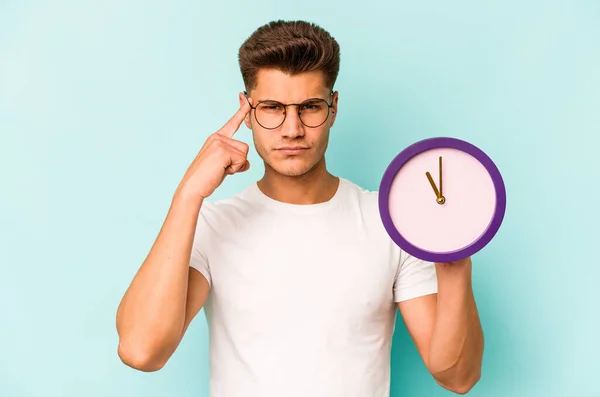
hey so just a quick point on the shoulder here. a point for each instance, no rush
(226, 210)
(364, 203)
(360, 196)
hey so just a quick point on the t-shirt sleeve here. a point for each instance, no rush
(199, 254)
(414, 278)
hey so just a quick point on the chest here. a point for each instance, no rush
(303, 268)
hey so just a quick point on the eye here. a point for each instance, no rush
(271, 107)
(313, 106)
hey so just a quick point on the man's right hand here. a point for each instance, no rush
(166, 294)
(221, 155)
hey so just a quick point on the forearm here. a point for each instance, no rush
(457, 342)
(151, 315)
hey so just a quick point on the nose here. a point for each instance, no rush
(292, 126)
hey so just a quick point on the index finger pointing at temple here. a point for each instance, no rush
(234, 123)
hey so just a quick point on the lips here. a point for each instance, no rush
(292, 148)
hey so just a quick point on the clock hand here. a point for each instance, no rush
(440, 199)
(441, 192)
(437, 193)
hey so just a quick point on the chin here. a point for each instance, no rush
(291, 168)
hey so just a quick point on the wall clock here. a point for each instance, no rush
(442, 199)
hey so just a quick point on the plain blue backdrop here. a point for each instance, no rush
(103, 105)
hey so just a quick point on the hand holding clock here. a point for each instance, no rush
(469, 206)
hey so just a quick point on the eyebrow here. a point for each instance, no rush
(276, 100)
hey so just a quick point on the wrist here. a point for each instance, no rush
(183, 197)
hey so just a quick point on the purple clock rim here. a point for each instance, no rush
(434, 143)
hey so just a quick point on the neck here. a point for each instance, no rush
(315, 186)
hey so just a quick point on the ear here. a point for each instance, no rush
(334, 108)
(243, 99)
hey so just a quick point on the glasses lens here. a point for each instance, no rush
(270, 114)
(314, 112)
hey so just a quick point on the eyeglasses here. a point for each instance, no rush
(271, 114)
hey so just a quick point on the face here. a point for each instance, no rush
(273, 145)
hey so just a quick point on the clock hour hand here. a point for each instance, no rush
(437, 193)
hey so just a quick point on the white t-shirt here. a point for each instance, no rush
(303, 297)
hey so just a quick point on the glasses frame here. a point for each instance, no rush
(285, 106)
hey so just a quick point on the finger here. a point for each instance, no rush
(217, 139)
(235, 158)
(211, 142)
(245, 167)
(238, 166)
(239, 145)
(234, 122)
(235, 170)
(235, 150)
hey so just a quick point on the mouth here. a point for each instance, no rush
(291, 149)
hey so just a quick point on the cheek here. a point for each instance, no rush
(321, 137)
(261, 141)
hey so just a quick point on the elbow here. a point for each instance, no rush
(139, 357)
(462, 389)
(464, 386)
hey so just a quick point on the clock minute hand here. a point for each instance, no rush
(441, 191)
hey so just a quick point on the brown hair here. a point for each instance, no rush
(292, 47)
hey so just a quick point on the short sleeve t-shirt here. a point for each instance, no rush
(303, 297)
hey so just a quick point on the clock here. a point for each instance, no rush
(442, 199)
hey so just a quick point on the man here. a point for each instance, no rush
(299, 281)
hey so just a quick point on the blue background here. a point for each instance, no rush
(103, 105)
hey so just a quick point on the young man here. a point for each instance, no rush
(299, 281)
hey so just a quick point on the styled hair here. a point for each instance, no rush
(292, 47)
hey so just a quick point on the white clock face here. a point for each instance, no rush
(466, 213)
